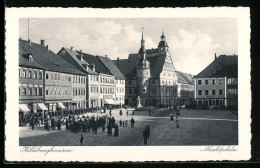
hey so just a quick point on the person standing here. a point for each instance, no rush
(171, 116)
(116, 133)
(126, 123)
(177, 122)
(109, 129)
(32, 123)
(132, 121)
(145, 136)
(81, 139)
(120, 123)
(127, 113)
(110, 112)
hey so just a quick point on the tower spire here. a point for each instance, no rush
(28, 30)
(142, 33)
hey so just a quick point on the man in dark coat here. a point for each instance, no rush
(145, 136)
(120, 123)
(116, 133)
(81, 140)
(132, 121)
(109, 129)
(59, 124)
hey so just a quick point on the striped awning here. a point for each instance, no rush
(61, 105)
(42, 106)
(109, 101)
(24, 108)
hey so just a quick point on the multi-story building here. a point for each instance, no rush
(91, 84)
(57, 78)
(150, 76)
(217, 85)
(119, 80)
(31, 93)
(185, 88)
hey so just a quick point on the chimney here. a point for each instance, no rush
(117, 62)
(81, 55)
(47, 47)
(215, 56)
(86, 66)
(29, 42)
(43, 42)
(106, 56)
(93, 67)
(71, 48)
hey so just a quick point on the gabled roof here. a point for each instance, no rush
(126, 67)
(71, 56)
(99, 66)
(25, 63)
(156, 65)
(152, 51)
(48, 59)
(112, 67)
(184, 78)
(219, 64)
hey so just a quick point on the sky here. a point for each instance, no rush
(192, 42)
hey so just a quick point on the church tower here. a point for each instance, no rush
(143, 75)
(163, 46)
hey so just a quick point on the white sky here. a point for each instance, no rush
(192, 42)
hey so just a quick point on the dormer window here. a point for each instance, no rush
(28, 57)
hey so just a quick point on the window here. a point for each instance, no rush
(35, 91)
(206, 92)
(220, 92)
(55, 76)
(51, 76)
(143, 90)
(91, 89)
(24, 73)
(229, 82)
(213, 81)
(229, 91)
(220, 81)
(47, 92)
(206, 82)
(213, 92)
(129, 82)
(47, 76)
(200, 92)
(210, 102)
(234, 81)
(24, 91)
(199, 82)
(130, 91)
(35, 75)
(30, 91)
(69, 79)
(97, 78)
(153, 81)
(40, 75)
(135, 91)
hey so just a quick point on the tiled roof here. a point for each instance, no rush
(48, 59)
(112, 67)
(126, 66)
(184, 78)
(99, 66)
(156, 65)
(152, 51)
(71, 56)
(25, 63)
(218, 65)
(228, 71)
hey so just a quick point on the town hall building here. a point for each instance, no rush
(151, 78)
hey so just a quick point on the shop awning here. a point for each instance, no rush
(42, 106)
(24, 108)
(61, 105)
(109, 101)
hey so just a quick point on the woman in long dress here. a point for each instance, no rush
(116, 130)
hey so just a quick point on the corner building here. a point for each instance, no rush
(217, 85)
